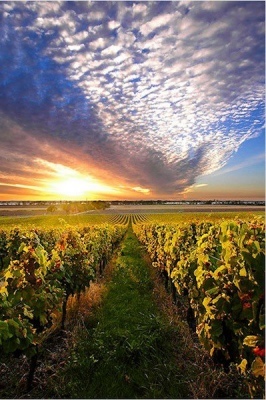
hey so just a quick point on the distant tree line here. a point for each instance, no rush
(191, 202)
(77, 207)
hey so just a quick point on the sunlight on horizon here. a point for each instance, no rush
(71, 183)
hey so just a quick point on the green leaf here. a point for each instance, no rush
(4, 331)
(11, 345)
(262, 322)
(216, 328)
(257, 245)
(42, 255)
(249, 260)
(259, 273)
(43, 319)
(22, 247)
(214, 290)
(27, 312)
(12, 323)
(208, 284)
(17, 273)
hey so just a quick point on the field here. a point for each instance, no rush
(26, 211)
(38, 215)
(148, 301)
(172, 209)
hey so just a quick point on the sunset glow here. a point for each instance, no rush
(71, 187)
(78, 188)
(132, 100)
(66, 182)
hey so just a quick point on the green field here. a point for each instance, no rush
(124, 218)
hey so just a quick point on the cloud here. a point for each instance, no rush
(154, 93)
(201, 185)
(141, 190)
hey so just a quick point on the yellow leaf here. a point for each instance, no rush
(8, 274)
(212, 351)
(251, 340)
(216, 299)
(258, 367)
(236, 282)
(215, 346)
(206, 301)
(242, 366)
(217, 273)
(3, 288)
(243, 272)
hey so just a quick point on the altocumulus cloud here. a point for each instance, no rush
(155, 93)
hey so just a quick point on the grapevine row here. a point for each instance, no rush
(138, 218)
(124, 219)
(120, 219)
(220, 268)
(40, 270)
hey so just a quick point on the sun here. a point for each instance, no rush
(78, 187)
(73, 187)
(67, 182)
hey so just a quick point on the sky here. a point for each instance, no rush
(132, 100)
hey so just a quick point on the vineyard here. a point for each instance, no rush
(212, 264)
(220, 267)
(41, 268)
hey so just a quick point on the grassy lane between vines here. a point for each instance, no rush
(128, 354)
(136, 348)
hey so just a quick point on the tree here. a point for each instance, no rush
(52, 208)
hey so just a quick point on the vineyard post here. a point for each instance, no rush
(33, 365)
(64, 309)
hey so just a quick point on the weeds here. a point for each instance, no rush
(129, 354)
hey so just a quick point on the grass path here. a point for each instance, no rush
(128, 352)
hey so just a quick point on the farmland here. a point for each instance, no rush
(30, 210)
(203, 270)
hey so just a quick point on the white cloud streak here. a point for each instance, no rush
(260, 158)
